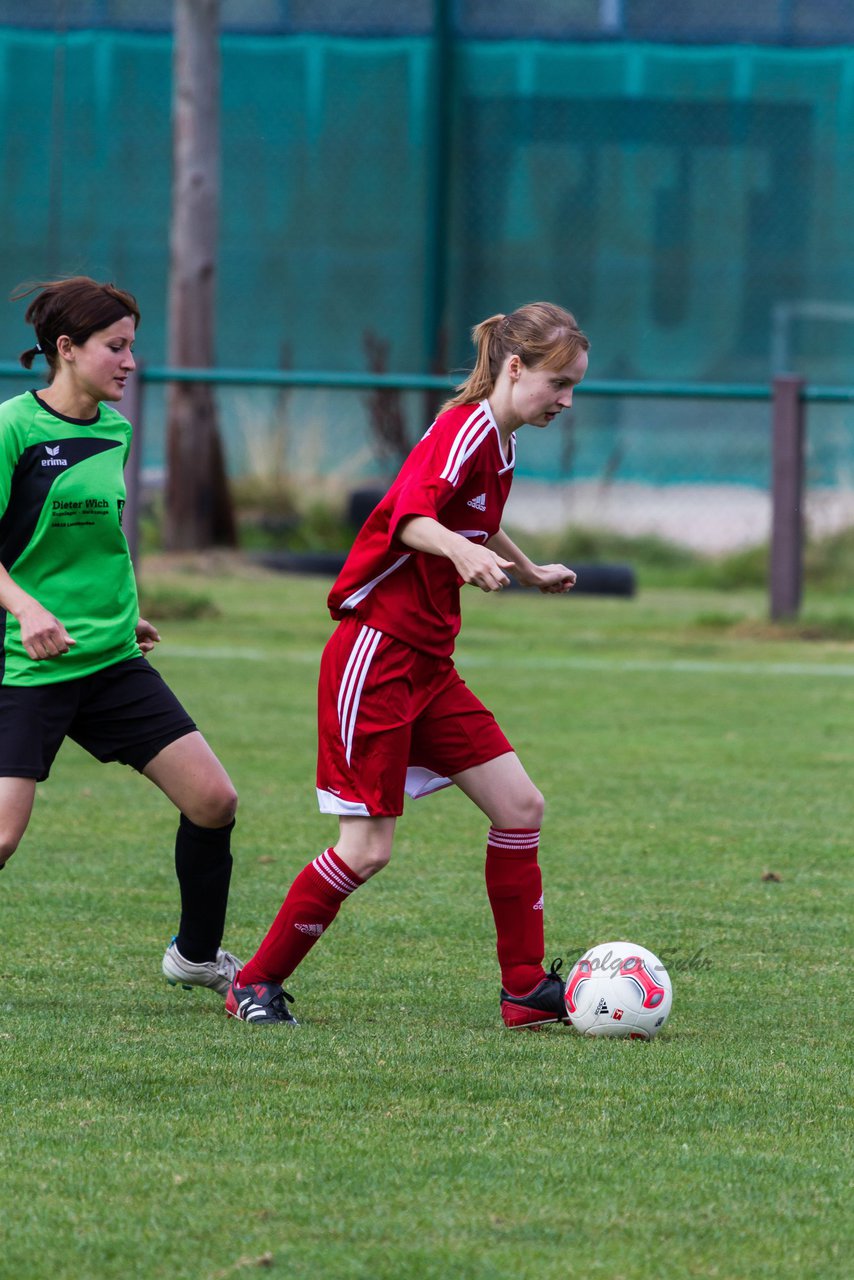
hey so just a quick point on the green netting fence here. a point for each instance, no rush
(693, 205)
(678, 198)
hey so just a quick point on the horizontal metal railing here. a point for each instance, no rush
(355, 381)
(787, 394)
(367, 381)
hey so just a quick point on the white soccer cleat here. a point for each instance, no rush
(217, 974)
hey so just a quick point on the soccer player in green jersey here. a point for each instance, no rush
(71, 638)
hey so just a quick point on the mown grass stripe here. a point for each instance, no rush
(679, 666)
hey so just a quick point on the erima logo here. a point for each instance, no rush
(313, 930)
(52, 460)
(479, 503)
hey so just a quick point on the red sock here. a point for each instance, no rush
(308, 910)
(515, 888)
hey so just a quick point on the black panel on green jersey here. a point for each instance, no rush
(38, 467)
(62, 493)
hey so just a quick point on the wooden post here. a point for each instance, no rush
(787, 497)
(131, 408)
(198, 506)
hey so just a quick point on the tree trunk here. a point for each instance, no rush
(199, 513)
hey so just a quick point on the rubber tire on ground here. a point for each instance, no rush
(593, 579)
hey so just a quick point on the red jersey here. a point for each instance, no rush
(459, 475)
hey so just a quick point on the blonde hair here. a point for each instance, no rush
(542, 334)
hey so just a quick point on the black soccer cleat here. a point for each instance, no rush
(539, 1007)
(260, 1002)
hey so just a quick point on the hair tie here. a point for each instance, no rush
(39, 349)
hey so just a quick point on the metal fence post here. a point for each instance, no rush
(131, 408)
(787, 496)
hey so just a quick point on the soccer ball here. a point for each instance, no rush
(618, 989)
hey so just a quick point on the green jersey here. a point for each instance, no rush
(62, 493)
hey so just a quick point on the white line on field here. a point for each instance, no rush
(237, 655)
(677, 666)
(225, 655)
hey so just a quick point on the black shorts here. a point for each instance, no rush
(125, 712)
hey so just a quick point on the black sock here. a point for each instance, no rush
(203, 865)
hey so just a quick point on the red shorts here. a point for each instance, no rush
(391, 721)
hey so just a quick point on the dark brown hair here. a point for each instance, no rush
(77, 307)
(541, 334)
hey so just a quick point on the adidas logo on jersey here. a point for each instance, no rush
(52, 460)
(538, 905)
(313, 930)
(479, 503)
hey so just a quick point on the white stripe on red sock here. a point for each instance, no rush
(514, 840)
(330, 867)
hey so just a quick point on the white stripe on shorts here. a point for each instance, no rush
(355, 674)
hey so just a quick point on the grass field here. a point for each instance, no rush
(697, 768)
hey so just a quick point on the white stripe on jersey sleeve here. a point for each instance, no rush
(471, 434)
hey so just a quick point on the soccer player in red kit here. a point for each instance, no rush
(394, 717)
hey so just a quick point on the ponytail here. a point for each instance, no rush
(27, 357)
(487, 338)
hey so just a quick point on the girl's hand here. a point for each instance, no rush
(42, 635)
(147, 636)
(477, 565)
(553, 579)
(480, 567)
